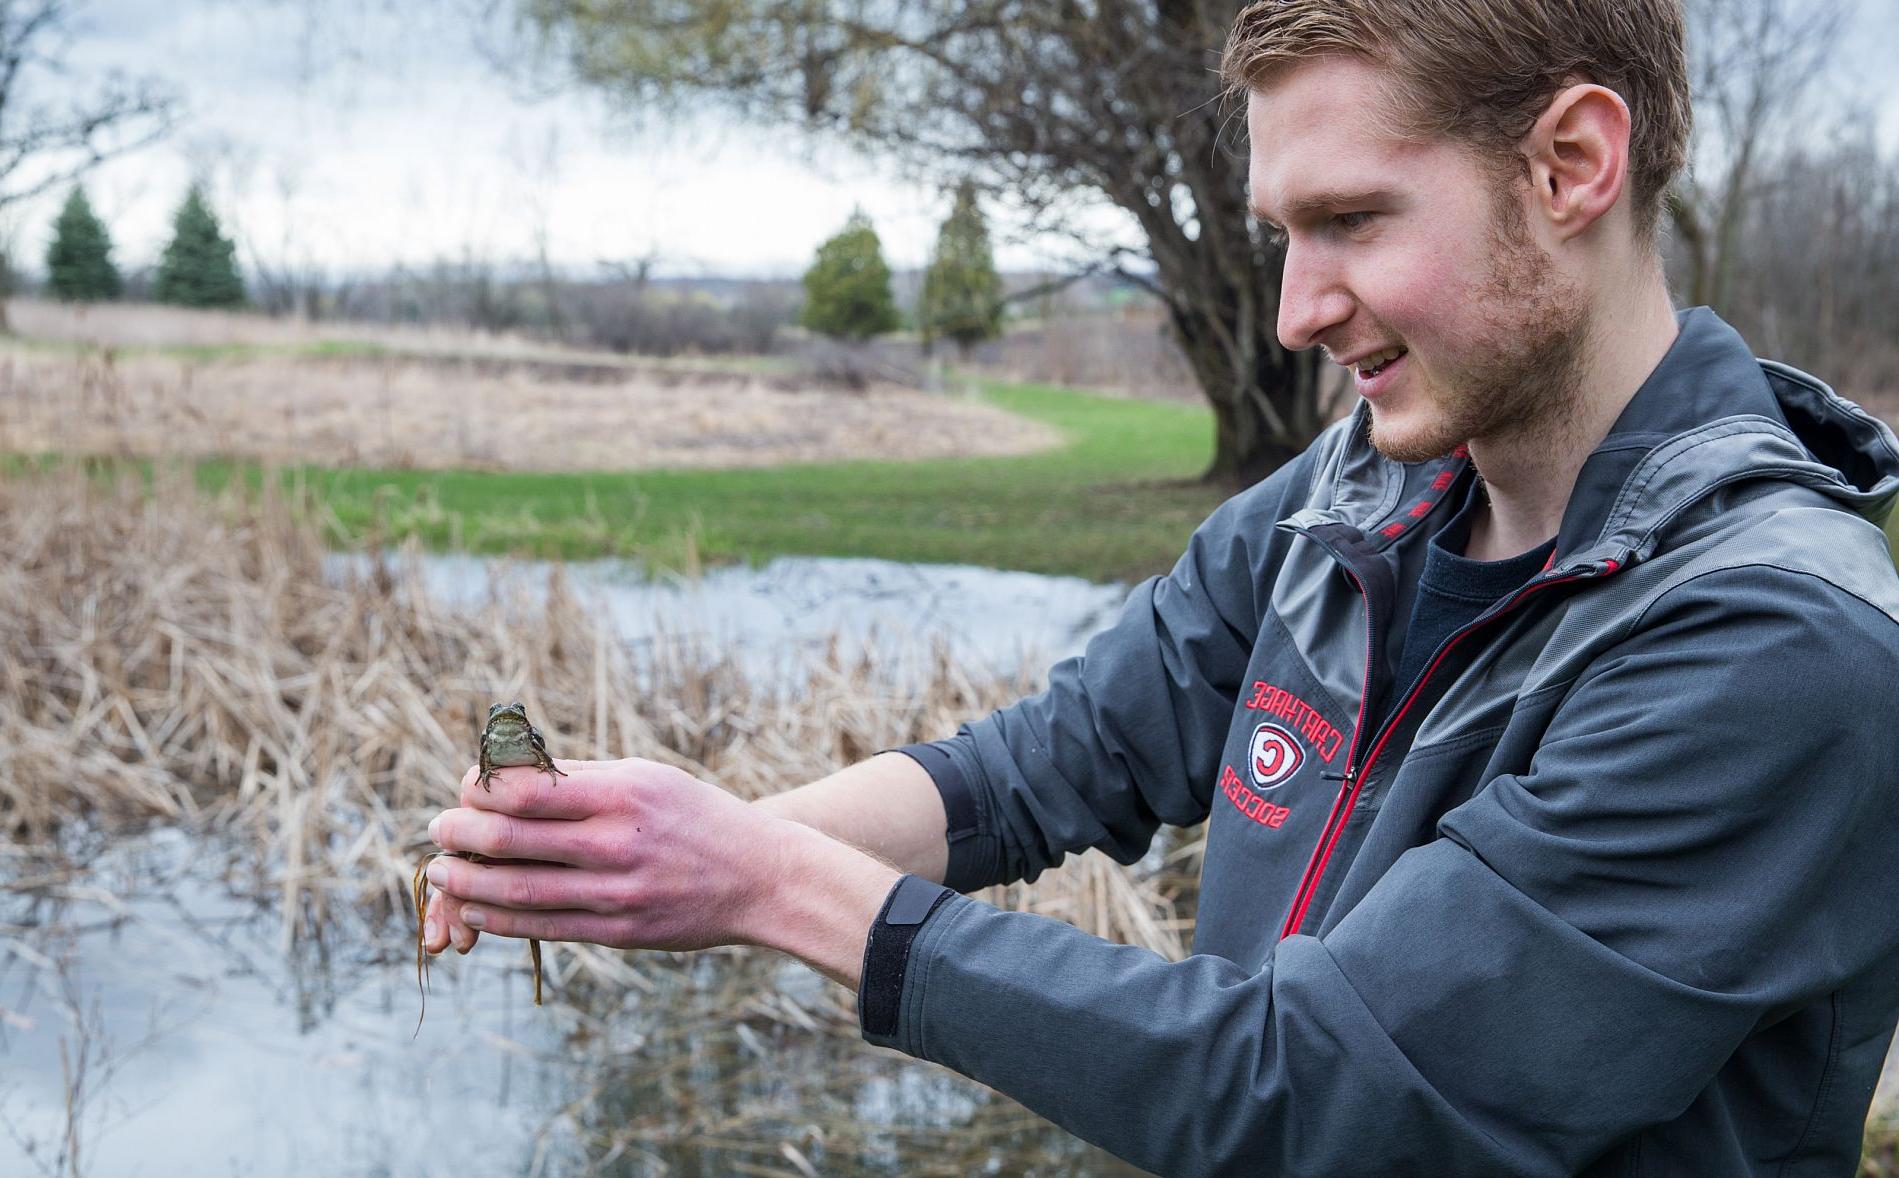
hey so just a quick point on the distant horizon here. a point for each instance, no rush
(529, 270)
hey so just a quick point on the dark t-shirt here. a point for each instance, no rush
(1452, 589)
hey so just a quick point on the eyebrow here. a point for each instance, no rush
(1319, 201)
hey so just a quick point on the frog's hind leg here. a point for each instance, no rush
(419, 892)
(545, 763)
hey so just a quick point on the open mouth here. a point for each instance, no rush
(1372, 365)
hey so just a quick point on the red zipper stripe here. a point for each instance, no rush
(1307, 879)
(1323, 853)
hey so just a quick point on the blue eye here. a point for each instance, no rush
(1353, 220)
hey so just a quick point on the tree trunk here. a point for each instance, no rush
(1186, 187)
(1263, 417)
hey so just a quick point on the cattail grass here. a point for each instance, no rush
(173, 658)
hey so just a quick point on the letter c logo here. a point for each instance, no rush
(1273, 756)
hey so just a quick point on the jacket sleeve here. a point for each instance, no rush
(1128, 733)
(1701, 839)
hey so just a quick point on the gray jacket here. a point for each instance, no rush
(1611, 887)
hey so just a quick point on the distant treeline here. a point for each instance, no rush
(1808, 270)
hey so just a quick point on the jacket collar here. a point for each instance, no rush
(1710, 414)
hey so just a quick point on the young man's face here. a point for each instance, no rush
(1415, 246)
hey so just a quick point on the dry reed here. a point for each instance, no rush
(173, 659)
(444, 412)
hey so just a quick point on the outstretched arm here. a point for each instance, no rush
(886, 807)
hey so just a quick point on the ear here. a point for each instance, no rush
(1578, 154)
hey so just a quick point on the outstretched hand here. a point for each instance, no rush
(628, 853)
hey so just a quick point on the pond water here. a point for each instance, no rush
(172, 1032)
(774, 618)
(154, 1019)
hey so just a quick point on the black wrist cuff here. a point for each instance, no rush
(887, 951)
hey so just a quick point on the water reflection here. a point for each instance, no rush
(157, 981)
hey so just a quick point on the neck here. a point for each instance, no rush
(1528, 476)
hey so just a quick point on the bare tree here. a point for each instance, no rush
(62, 140)
(1815, 274)
(1754, 63)
(1116, 100)
(537, 169)
(286, 280)
(46, 144)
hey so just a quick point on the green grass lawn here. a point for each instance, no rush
(1118, 501)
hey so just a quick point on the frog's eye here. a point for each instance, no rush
(492, 709)
(520, 707)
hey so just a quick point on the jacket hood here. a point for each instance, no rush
(1711, 414)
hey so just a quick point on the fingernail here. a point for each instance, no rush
(474, 917)
(434, 825)
(437, 872)
(431, 930)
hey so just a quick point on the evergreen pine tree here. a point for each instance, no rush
(962, 293)
(79, 260)
(847, 289)
(199, 268)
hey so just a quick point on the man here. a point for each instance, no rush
(1537, 711)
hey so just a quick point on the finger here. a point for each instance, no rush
(494, 835)
(464, 936)
(533, 887)
(566, 925)
(460, 935)
(444, 925)
(578, 791)
(435, 926)
(562, 763)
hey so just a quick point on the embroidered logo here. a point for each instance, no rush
(1273, 755)
(1301, 717)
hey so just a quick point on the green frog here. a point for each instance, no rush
(510, 740)
(507, 740)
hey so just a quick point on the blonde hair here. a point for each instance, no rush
(1481, 72)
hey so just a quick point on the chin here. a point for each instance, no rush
(1403, 441)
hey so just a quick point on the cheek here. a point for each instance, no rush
(1411, 289)
(1425, 289)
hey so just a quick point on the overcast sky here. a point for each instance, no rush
(379, 131)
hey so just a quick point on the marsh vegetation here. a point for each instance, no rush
(184, 663)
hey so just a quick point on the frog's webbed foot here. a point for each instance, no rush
(546, 763)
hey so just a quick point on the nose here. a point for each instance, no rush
(1311, 300)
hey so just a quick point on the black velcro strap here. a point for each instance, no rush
(887, 951)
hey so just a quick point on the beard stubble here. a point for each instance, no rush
(1524, 378)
